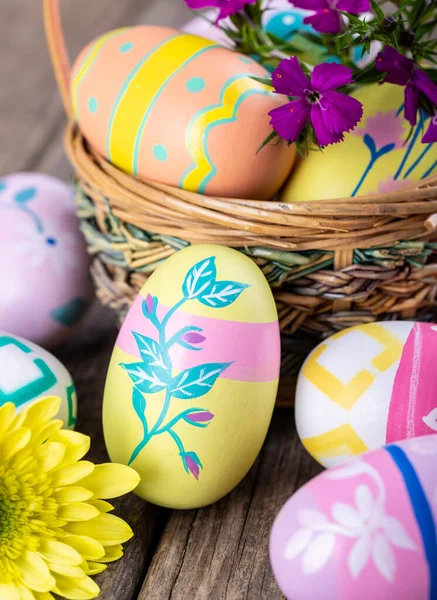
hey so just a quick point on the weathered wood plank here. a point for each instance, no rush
(221, 552)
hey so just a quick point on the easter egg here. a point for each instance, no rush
(29, 373)
(367, 386)
(193, 377)
(365, 529)
(45, 287)
(374, 158)
(179, 109)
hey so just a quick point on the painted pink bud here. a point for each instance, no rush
(150, 303)
(193, 467)
(200, 417)
(192, 337)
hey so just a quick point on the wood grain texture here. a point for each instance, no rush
(219, 552)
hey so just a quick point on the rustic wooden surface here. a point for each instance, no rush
(218, 552)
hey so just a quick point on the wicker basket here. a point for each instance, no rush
(331, 263)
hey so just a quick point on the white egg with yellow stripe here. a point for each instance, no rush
(179, 109)
(193, 377)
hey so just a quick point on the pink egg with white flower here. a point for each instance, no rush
(366, 529)
(45, 285)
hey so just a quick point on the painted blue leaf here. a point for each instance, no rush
(197, 381)
(368, 140)
(200, 278)
(26, 194)
(222, 293)
(147, 379)
(149, 350)
(139, 404)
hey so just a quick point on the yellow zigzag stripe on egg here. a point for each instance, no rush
(88, 62)
(234, 92)
(140, 92)
(347, 394)
(342, 441)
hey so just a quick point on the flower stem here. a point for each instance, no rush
(177, 441)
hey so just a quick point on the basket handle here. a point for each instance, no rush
(58, 51)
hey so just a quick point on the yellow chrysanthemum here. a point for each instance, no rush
(55, 530)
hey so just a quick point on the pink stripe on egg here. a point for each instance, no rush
(253, 348)
(413, 405)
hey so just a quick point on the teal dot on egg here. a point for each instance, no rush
(160, 152)
(126, 47)
(195, 84)
(2, 186)
(93, 105)
(246, 60)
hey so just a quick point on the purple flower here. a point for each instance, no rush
(200, 417)
(330, 113)
(227, 7)
(192, 337)
(400, 70)
(326, 18)
(431, 133)
(192, 463)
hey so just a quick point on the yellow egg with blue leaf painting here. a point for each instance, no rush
(179, 109)
(377, 157)
(193, 377)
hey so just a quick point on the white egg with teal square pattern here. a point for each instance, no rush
(44, 280)
(29, 373)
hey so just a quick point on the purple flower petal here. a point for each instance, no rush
(411, 103)
(354, 7)
(192, 466)
(288, 78)
(328, 77)
(335, 115)
(289, 120)
(425, 84)
(197, 4)
(192, 337)
(397, 66)
(431, 133)
(227, 7)
(200, 417)
(310, 4)
(326, 20)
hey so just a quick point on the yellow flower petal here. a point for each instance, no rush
(72, 589)
(7, 414)
(109, 530)
(113, 553)
(25, 593)
(102, 505)
(87, 547)
(77, 511)
(43, 596)
(72, 473)
(45, 431)
(13, 442)
(35, 573)
(111, 480)
(51, 455)
(76, 444)
(59, 553)
(95, 568)
(8, 591)
(67, 571)
(72, 494)
(41, 411)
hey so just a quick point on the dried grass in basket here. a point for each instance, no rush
(331, 263)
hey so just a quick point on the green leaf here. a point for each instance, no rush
(264, 81)
(197, 381)
(268, 139)
(200, 278)
(378, 10)
(222, 293)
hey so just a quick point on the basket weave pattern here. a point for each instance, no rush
(331, 263)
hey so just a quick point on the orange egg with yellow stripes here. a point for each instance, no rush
(193, 377)
(180, 109)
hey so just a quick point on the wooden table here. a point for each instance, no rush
(213, 553)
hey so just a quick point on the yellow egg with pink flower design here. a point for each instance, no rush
(380, 155)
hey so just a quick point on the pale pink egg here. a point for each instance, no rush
(44, 280)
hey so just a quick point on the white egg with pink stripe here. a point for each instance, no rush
(367, 386)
